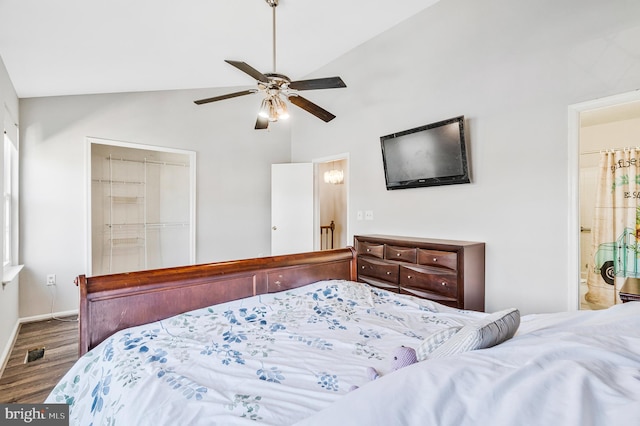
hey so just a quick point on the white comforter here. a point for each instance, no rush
(292, 357)
(274, 359)
(580, 368)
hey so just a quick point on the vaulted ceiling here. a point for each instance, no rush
(68, 47)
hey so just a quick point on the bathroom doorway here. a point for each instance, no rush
(598, 126)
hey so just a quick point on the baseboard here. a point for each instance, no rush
(14, 334)
(48, 316)
(9, 346)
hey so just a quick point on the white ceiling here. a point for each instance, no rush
(67, 47)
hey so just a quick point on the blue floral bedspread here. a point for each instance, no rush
(272, 359)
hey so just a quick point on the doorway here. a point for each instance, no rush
(141, 207)
(331, 222)
(304, 205)
(595, 126)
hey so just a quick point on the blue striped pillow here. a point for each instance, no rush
(490, 331)
(434, 341)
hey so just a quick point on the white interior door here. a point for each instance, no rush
(291, 208)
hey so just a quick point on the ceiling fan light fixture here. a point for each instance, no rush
(264, 108)
(268, 109)
(281, 108)
(278, 89)
(273, 115)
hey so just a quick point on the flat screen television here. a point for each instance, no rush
(430, 155)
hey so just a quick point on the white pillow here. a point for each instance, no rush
(490, 331)
(434, 341)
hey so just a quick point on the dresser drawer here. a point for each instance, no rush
(377, 269)
(385, 285)
(368, 249)
(443, 300)
(404, 254)
(442, 259)
(430, 280)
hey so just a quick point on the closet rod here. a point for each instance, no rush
(626, 148)
(162, 163)
(145, 224)
(132, 182)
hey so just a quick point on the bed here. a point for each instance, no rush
(293, 339)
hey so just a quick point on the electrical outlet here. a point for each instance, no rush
(368, 215)
(359, 215)
(51, 279)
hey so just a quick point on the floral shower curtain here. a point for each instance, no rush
(616, 227)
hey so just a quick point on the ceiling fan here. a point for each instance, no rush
(278, 88)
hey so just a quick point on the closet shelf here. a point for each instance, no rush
(121, 199)
(129, 241)
(120, 182)
(146, 225)
(130, 198)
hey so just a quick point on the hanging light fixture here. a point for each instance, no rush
(334, 176)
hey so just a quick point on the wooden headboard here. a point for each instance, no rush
(109, 303)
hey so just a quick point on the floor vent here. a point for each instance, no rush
(34, 355)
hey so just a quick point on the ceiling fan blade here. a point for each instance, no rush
(314, 109)
(248, 69)
(227, 96)
(318, 83)
(261, 123)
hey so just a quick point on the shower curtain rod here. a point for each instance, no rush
(626, 148)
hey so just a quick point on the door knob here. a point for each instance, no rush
(274, 227)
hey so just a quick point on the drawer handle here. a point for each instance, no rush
(398, 254)
(409, 277)
(368, 249)
(278, 283)
(388, 273)
(363, 267)
(435, 259)
(443, 283)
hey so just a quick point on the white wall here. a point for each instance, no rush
(512, 67)
(233, 177)
(9, 293)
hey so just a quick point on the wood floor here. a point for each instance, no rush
(32, 382)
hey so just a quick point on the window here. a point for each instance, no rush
(6, 235)
(10, 211)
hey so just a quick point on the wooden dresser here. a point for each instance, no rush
(446, 271)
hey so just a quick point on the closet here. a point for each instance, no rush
(142, 203)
